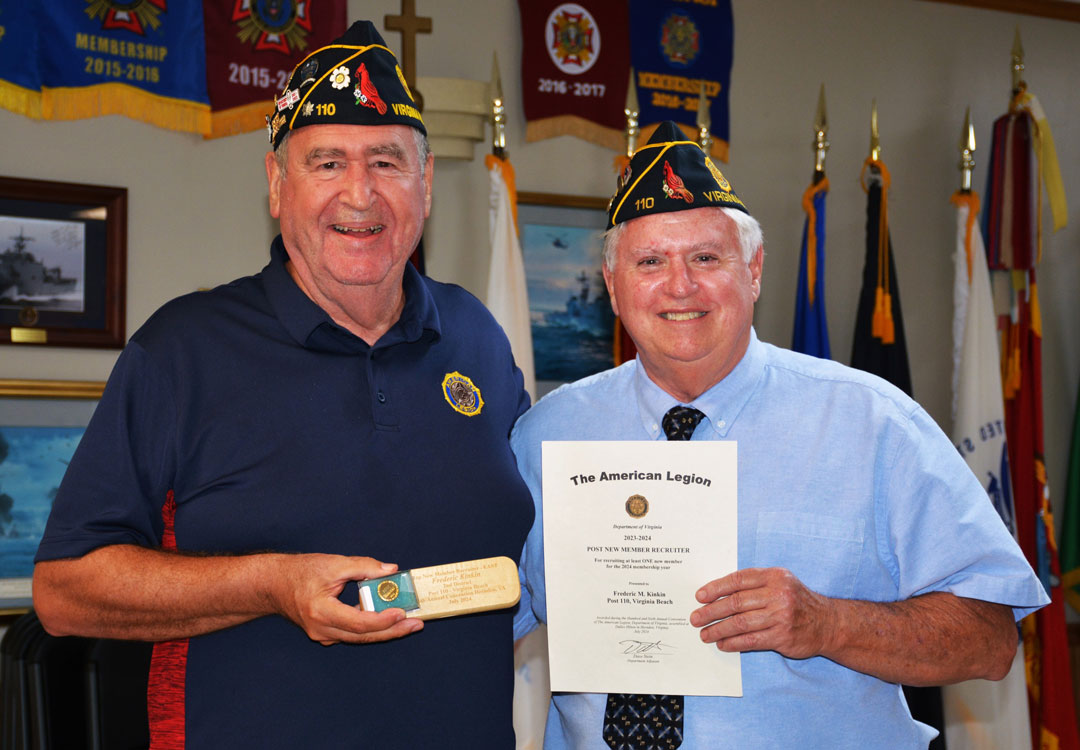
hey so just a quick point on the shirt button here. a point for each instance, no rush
(722, 424)
(381, 396)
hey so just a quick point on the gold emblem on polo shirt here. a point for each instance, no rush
(462, 394)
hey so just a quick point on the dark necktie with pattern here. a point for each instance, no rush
(651, 722)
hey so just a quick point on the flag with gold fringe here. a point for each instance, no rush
(252, 47)
(980, 714)
(811, 334)
(20, 76)
(198, 66)
(676, 48)
(1050, 694)
(879, 345)
(1022, 161)
(143, 60)
(575, 64)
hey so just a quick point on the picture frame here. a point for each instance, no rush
(572, 323)
(41, 422)
(63, 263)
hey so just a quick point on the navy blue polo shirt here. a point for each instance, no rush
(272, 428)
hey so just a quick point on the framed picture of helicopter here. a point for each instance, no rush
(571, 319)
(63, 263)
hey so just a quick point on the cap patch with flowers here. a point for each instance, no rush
(669, 173)
(354, 80)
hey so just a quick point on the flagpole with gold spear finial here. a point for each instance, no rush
(965, 196)
(704, 122)
(498, 111)
(821, 130)
(883, 325)
(631, 111)
(623, 347)
(507, 295)
(498, 157)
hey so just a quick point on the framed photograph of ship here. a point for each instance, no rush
(41, 423)
(63, 263)
(572, 322)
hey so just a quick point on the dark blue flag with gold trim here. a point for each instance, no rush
(20, 79)
(144, 59)
(811, 334)
(674, 48)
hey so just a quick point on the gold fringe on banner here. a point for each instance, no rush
(120, 99)
(1046, 153)
(246, 118)
(579, 127)
(19, 100)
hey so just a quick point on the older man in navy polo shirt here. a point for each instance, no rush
(262, 446)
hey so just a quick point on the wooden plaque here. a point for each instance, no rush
(446, 590)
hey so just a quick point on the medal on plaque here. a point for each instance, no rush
(445, 590)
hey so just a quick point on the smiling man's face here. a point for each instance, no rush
(351, 201)
(686, 296)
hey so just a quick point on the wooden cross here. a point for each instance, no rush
(409, 24)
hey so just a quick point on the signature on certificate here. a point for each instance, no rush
(644, 647)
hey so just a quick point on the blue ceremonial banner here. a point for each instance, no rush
(674, 47)
(145, 60)
(811, 334)
(20, 81)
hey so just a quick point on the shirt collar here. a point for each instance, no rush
(311, 327)
(721, 404)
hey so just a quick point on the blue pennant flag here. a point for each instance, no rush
(811, 334)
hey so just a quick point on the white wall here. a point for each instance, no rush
(198, 208)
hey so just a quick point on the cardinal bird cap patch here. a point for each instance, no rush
(462, 394)
(355, 80)
(670, 173)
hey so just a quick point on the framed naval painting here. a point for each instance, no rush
(572, 323)
(41, 422)
(63, 263)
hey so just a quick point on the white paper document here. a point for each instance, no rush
(632, 529)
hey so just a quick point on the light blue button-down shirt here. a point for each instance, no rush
(843, 480)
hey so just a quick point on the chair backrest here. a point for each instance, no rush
(57, 693)
(116, 674)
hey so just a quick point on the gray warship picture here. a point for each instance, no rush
(41, 264)
(569, 309)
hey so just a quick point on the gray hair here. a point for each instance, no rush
(748, 228)
(423, 151)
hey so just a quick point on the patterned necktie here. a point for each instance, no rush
(651, 722)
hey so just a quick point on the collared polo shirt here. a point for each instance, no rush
(272, 428)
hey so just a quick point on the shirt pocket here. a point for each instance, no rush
(821, 551)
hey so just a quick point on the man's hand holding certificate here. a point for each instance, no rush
(632, 530)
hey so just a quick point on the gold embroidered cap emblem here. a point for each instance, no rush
(462, 394)
(718, 175)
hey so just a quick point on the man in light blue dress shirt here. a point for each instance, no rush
(869, 556)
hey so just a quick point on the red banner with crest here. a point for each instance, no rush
(252, 47)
